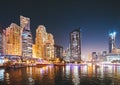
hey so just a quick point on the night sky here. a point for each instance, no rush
(96, 18)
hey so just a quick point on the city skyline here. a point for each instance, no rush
(96, 19)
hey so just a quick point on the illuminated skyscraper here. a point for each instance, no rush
(24, 23)
(26, 37)
(12, 40)
(112, 44)
(40, 41)
(49, 47)
(44, 43)
(75, 45)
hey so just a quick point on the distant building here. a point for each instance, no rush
(94, 56)
(75, 45)
(112, 44)
(58, 51)
(104, 53)
(113, 58)
(67, 54)
(26, 37)
(114, 52)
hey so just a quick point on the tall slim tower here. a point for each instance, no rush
(75, 45)
(26, 37)
(112, 41)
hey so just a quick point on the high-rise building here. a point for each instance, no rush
(12, 40)
(49, 47)
(24, 23)
(26, 37)
(40, 41)
(112, 44)
(75, 45)
(58, 51)
(44, 43)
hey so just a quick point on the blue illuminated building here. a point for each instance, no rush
(26, 37)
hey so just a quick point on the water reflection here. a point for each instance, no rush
(67, 71)
(1, 74)
(31, 81)
(76, 79)
(62, 75)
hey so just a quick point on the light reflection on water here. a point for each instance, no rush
(62, 75)
(76, 79)
(2, 74)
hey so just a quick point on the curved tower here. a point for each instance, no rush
(26, 37)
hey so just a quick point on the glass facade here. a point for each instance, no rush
(26, 37)
(75, 45)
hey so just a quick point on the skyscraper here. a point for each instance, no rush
(44, 43)
(112, 44)
(58, 51)
(26, 37)
(40, 41)
(75, 45)
(12, 40)
(49, 47)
